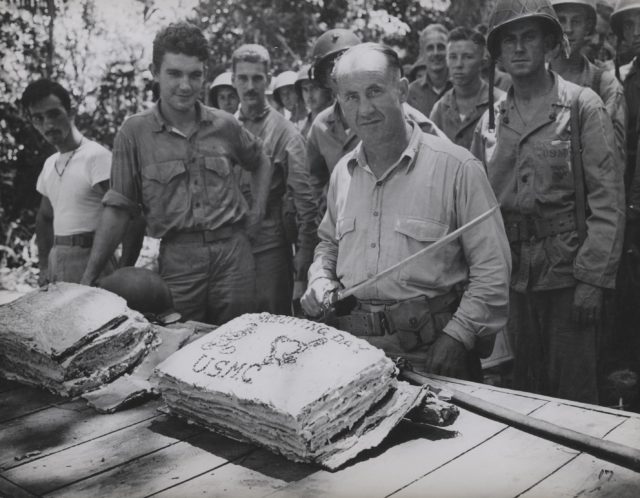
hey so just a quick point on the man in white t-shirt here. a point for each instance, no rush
(72, 183)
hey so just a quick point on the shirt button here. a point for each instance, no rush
(378, 184)
(373, 244)
(376, 213)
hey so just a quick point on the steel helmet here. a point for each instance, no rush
(144, 290)
(223, 79)
(327, 47)
(621, 8)
(507, 11)
(285, 78)
(588, 5)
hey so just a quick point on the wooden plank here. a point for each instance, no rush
(407, 454)
(98, 455)
(594, 423)
(8, 385)
(256, 474)
(18, 402)
(512, 461)
(161, 469)
(57, 428)
(589, 476)
(468, 386)
(8, 489)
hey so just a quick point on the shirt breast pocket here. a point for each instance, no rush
(414, 234)
(164, 189)
(344, 226)
(556, 174)
(217, 175)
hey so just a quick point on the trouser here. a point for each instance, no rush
(553, 356)
(67, 263)
(274, 280)
(210, 282)
(407, 329)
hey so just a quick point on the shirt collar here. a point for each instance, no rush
(448, 99)
(242, 117)
(203, 116)
(426, 82)
(407, 158)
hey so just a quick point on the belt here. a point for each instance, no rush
(376, 318)
(528, 228)
(78, 239)
(202, 236)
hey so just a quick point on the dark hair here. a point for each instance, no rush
(41, 89)
(466, 34)
(179, 38)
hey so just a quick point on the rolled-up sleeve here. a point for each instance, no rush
(484, 306)
(125, 189)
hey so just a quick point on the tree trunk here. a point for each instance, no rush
(51, 10)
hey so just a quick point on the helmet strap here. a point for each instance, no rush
(492, 115)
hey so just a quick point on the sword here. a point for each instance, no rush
(338, 296)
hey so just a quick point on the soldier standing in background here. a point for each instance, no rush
(285, 147)
(222, 95)
(461, 107)
(424, 92)
(578, 21)
(286, 96)
(550, 159)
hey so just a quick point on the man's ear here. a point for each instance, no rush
(154, 70)
(403, 89)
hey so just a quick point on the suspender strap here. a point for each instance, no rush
(578, 171)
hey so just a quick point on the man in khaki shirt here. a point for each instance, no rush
(395, 193)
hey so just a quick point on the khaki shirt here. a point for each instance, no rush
(611, 92)
(423, 96)
(446, 116)
(530, 169)
(285, 147)
(329, 140)
(372, 223)
(181, 183)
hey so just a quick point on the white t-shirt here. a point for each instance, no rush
(76, 205)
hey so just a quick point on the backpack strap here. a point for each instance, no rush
(578, 170)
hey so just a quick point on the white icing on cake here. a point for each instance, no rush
(288, 384)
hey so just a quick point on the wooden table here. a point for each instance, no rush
(50, 446)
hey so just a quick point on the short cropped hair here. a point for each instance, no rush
(466, 34)
(364, 50)
(433, 28)
(251, 52)
(41, 89)
(179, 38)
